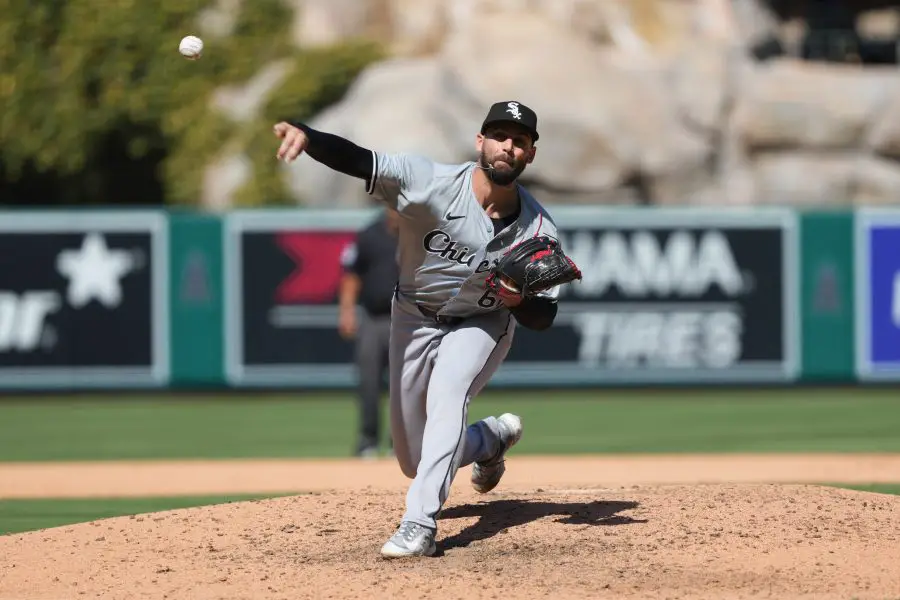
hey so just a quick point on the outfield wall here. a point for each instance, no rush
(156, 299)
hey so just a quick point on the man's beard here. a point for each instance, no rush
(500, 177)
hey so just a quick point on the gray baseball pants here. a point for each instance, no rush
(435, 371)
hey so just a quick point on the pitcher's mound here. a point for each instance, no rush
(716, 541)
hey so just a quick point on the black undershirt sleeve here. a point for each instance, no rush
(535, 312)
(338, 153)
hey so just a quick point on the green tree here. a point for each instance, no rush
(99, 107)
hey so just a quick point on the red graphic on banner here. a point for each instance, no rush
(317, 271)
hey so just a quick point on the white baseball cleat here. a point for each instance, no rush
(486, 475)
(411, 539)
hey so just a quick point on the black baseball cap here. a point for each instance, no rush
(512, 112)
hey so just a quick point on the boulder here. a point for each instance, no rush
(804, 178)
(687, 187)
(242, 103)
(325, 22)
(638, 101)
(884, 133)
(223, 178)
(825, 179)
(877, 182)
(375, 116)
(789, 104)
(607, 119)
(699, 80)
(417, 27)
(752, 22)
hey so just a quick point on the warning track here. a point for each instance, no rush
(200, 477)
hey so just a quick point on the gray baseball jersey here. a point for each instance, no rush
(446, 247)
(447, 242)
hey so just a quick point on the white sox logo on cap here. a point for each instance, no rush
(512, 111)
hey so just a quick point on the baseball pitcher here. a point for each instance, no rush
(477, 255)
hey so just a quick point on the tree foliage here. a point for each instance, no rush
(98, 106)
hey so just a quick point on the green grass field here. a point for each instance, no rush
(38, 513)
(323, 425)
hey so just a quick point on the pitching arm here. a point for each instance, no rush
(390, 177)
(338, 153)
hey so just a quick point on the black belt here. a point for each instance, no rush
(451, 321)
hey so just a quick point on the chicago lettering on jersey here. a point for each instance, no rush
(441, 244)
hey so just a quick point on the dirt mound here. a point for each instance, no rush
(713, 541)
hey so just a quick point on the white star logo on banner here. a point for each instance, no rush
(94, 271)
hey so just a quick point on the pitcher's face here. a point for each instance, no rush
(504, 150)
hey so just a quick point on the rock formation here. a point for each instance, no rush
(639, 102)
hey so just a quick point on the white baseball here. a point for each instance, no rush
(191, 47)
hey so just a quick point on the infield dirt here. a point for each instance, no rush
(579, 535)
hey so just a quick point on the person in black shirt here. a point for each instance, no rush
(370, 275)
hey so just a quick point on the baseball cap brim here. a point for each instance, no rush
(531, 131)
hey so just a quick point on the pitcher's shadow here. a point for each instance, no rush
(499, 515)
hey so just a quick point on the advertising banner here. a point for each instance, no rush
(83, 299)
(283, 273)
(669, 296)
(878, 294)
